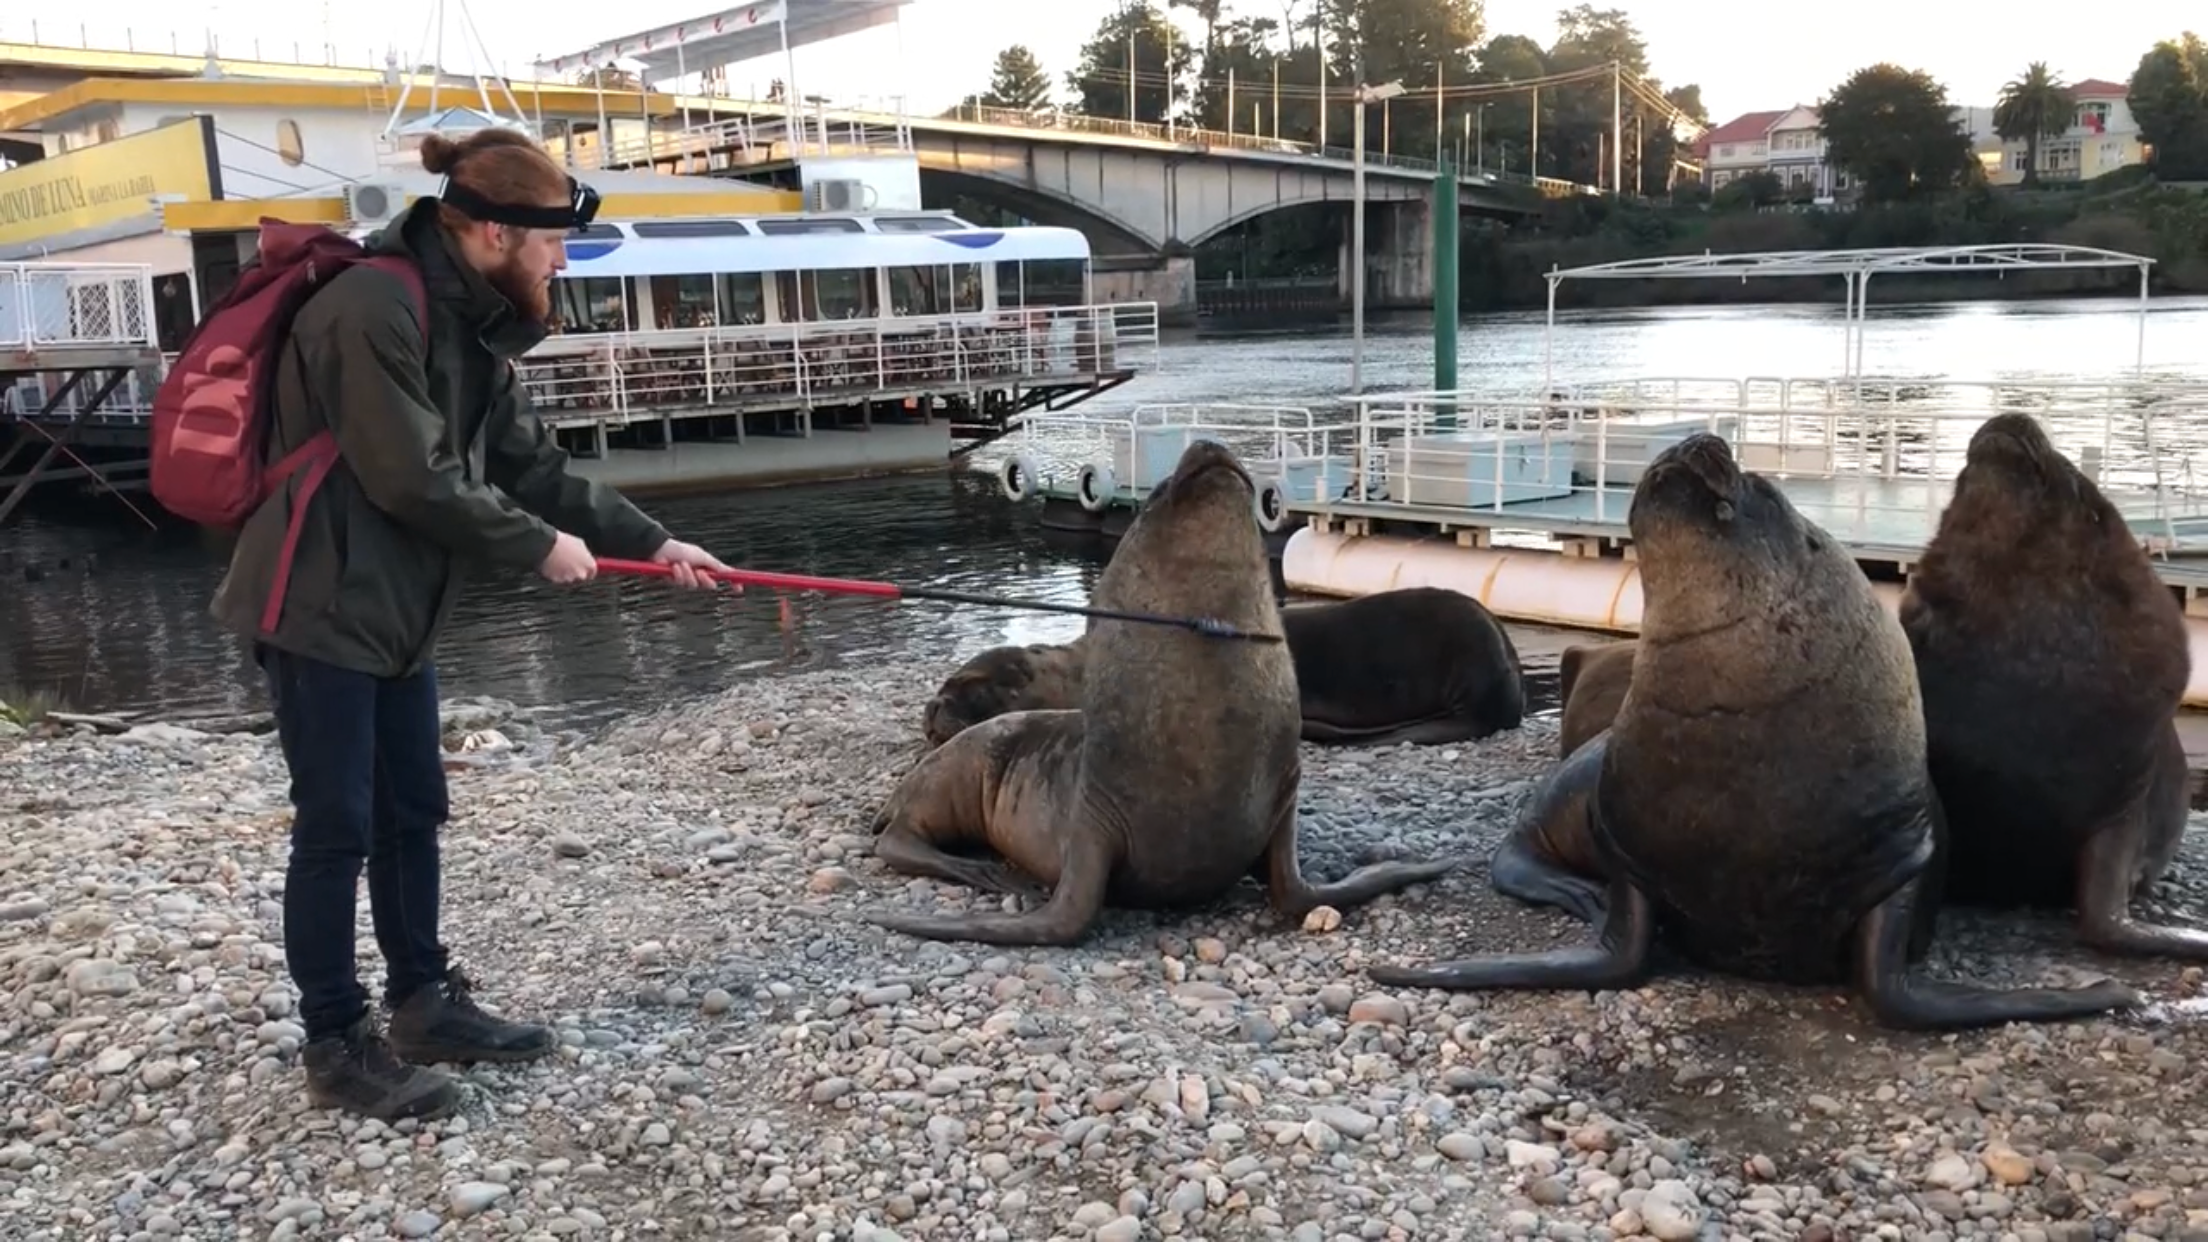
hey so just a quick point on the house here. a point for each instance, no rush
(2102, 137)
(1737, 147)
(1797, 156)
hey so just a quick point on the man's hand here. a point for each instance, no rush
(688, 559)
(568, 561)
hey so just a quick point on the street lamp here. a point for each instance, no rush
(1365, 95)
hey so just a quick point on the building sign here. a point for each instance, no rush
(109, 182)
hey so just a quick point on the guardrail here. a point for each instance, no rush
(615, 378)
(1872, 460)
(62, 305)
(766, 135)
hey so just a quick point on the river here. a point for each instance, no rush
(109, 617)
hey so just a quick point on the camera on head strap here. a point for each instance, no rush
(581, 208)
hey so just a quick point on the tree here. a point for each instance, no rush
(1893, 130)
(1161, 59)
(1420, 43)
(1017, 82)
(2034, 106)
(2169, 99)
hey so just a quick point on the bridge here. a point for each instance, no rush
(1145, 195)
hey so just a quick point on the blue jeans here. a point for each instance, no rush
(367, 789)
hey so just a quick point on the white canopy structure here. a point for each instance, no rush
(1857, 267)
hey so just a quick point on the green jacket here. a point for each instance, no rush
(442, 465)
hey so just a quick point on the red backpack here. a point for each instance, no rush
(213, 411)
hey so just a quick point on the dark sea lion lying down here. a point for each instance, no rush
(1762, 803)
(1422, 665)
(1174, 779)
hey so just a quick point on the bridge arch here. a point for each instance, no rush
(1108, 234)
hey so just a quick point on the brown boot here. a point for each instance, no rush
(355, 1071)
(442, 1022)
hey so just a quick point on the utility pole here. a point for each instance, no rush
(1617, 129)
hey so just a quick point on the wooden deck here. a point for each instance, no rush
(1879, 520)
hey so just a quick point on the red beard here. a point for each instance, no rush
(533, 302)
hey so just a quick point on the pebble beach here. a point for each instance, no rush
(742, 1058)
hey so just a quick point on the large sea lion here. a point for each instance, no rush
(1420, 665)
(1176, 776)
(2052, 663)
(1762, 802)
(1548, 857)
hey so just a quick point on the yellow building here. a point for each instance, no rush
(177, 174)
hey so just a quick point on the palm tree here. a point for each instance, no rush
(2032, 107)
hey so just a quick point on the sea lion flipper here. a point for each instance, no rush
(1074, 902)
(1619, 960)
(1293, 896)
(1911, 1002)
(2110, 865)
(1548, 858)
(907, 852)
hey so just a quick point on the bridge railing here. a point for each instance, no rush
(765, 135)
(62, 305)
(1872, 460)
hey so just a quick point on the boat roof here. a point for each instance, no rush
(643, 249)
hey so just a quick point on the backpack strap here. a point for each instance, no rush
(319, 454)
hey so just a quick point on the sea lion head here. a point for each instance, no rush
(2012, 467)
(1199, 520)
(1716, 543)
(989, 685)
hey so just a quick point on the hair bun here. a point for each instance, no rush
(439, 154)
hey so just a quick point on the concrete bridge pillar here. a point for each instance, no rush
(1399, 255)
(1168, 281)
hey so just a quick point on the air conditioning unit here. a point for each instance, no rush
(838, 194)
(373, 202)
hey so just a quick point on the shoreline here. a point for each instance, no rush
(678, 895)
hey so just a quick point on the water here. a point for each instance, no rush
(116, 619)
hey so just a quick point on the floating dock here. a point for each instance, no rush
(1518, 497)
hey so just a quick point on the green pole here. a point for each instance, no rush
(1445, 287)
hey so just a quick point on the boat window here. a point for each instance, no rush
(836, 293)
(918, 224)
(682, 301)
(597, 232)
(935, 290)
(589, 304)
(918, 291)
(1041, 282)
(743, 298)
(690, 228)
(792, 226)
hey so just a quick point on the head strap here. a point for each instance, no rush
(580, 210)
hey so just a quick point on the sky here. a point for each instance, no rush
(1742, 55)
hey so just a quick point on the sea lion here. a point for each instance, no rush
(1176, 776)
(2053, 663)
(1548, 857)
(1011, 678)
(1420, 665)
(1763, 801)
(1591, 682)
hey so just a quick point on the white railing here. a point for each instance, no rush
(1872, 460)
(615, 378)
(1125, 455)
(64, 305)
